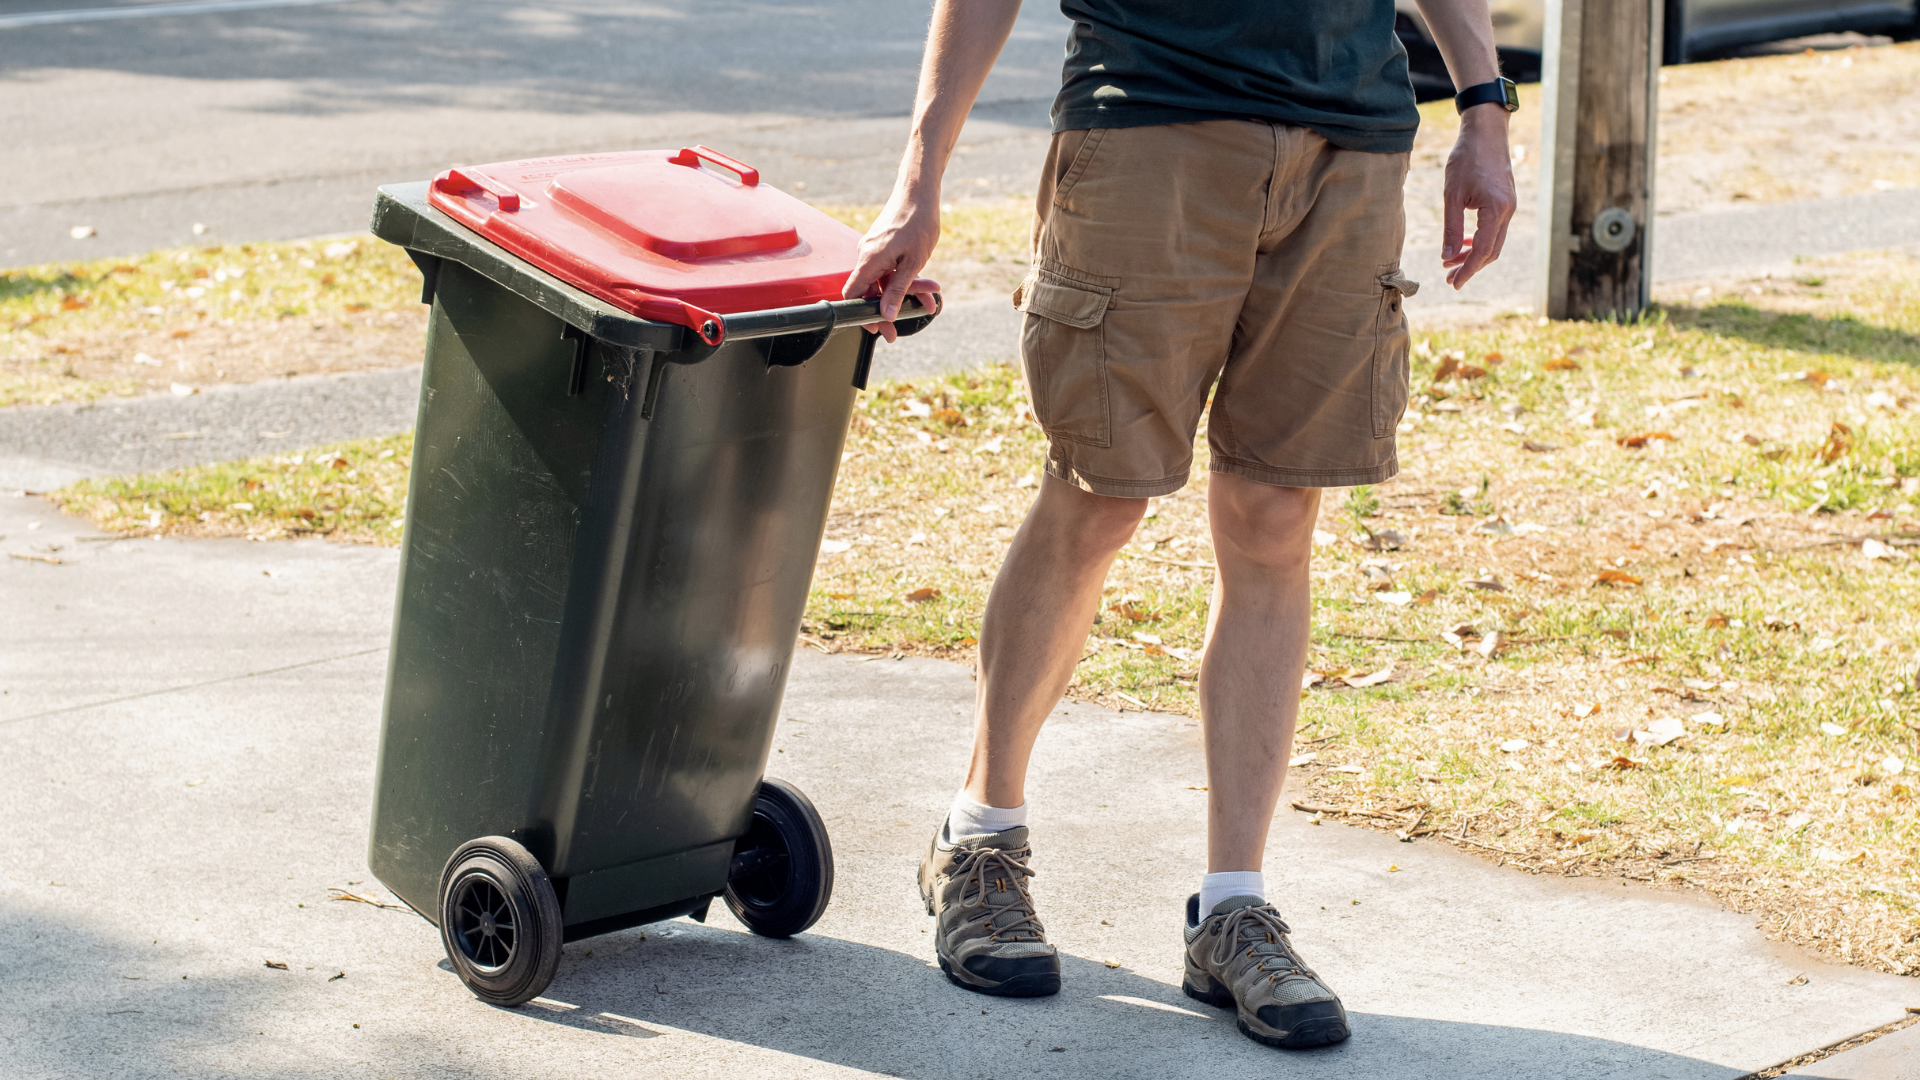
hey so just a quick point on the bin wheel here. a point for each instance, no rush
(783, 867)
(499, 921)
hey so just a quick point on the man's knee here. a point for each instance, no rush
(1094, 525)
(1262, 521)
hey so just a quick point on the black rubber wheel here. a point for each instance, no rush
(783, 868)
(499, 921)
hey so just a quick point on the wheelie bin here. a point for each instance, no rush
(638, 380)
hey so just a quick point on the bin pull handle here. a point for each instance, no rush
(691, 156)
(458, 180)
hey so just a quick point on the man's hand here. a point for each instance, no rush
(1479, 178)
(896, 247)
(963, 40)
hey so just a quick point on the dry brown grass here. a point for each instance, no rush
(204, 315)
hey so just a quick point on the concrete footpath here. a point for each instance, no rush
(188, 729)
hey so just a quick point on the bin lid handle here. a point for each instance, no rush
(691, 156)
(457, 180)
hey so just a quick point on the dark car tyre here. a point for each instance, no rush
(499, 921)
(783, 866)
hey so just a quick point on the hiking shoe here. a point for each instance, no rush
(1239, 958)
(987, 936)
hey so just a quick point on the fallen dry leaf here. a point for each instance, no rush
(1586, 709)
(1839, 443)
(1623, 763)
(1660, 732)
(277, 965)
(1616, 577)
(1384, 540)
(1538, 447)
(1362, 681)
(1489, 584)
(342, 894)
(1871, 549)
(921, 596)
(1489, 644)
(1635, 442)
(1426, 598)
(1560, 363)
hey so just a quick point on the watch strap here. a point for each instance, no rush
(1499, 92)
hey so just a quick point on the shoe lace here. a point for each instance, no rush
(1009, 919)
(1260, 931)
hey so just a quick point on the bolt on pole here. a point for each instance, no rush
(1600, 73)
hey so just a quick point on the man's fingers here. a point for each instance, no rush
(1478, 254)
(1499, 237)
(1455, 223)
(868, 269)
(893, 294)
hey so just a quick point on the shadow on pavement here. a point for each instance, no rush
(83, 1003)
(887, 1012)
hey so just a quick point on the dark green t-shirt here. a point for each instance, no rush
(1331, 65)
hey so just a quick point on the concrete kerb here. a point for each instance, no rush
(186, 827)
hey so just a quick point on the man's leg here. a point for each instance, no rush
(1036, 625)
(988, 938)
(1255, 656)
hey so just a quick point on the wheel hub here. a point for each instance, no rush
(483, 923)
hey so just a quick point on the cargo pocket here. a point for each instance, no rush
(1390, 374)
(1063, 350)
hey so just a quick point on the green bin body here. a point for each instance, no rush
(609, 537)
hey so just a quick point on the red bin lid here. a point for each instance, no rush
(657, 233)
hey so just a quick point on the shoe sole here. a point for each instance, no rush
(1034, 985)
(1320, 1032)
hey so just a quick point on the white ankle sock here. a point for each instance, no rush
(969, 818)
(1217, 887)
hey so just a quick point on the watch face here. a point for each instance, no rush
(1511, 94)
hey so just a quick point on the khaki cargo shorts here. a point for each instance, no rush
(1251, 255)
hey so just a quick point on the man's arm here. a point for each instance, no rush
(1479, 171)
(964, 40)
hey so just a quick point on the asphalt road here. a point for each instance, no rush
(279, 122)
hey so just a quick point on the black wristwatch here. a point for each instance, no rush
(1500, 91)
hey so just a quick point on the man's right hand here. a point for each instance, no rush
(963, 39)
(896, 247)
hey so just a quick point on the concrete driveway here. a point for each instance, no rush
(188, 732)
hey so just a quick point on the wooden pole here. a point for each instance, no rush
(1601, 74)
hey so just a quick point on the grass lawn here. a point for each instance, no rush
(1642, 603)
(189, 316)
